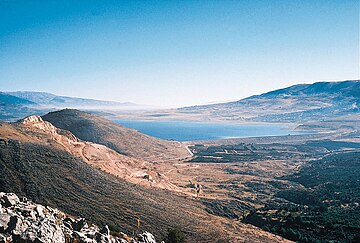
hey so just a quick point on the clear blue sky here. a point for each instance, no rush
(175, 53)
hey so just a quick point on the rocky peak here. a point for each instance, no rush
(36, 122)
(32, 119)
(25, 221)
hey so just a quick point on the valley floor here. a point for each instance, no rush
(241, 178)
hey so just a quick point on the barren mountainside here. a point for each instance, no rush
(35, 163)
(124, 140)
(97, 155)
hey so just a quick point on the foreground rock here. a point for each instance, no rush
(24, 221)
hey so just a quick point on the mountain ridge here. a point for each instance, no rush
(7, 99)
(45, 98)
(19, 104)
(297, 103)
(301, 103)
(317, 87)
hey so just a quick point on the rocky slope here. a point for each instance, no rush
(124, 140)
(36, 161)
(97, 155)
(25, 221)
(52, 176)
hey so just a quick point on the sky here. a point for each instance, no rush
(175, 53)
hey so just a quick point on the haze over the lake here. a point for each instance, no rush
(175, 53)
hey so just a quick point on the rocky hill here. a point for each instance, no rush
(32, 165)
(298, 103)
(25, 221)
(124, 140)
(96, 155)
(37, 161)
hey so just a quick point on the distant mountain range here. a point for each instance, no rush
(298, 103)
(7, 99)
(48, 99)
(15, 105)
(295, 104)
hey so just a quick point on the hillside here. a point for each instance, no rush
(34, 162)
(124, 140)
(99, 156)
(298, 103)
(324, 209)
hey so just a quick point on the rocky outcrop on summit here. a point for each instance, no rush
(24, 221)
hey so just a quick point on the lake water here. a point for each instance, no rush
(189, 131)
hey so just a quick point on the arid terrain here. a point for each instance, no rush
(196, 121)
(45, 163)
(259, 189)
(241, 178)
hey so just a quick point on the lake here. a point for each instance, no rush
(189, 131)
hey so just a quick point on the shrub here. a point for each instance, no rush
(175, 236)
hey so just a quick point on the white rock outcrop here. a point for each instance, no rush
(24, 221)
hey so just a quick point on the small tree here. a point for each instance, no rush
(175, 236)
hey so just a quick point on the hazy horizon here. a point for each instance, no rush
(164, 106)
(176, 53)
